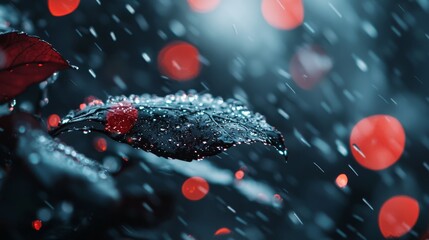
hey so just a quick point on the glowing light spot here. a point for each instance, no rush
(40, 65)
(278, 198)
(397, 216)
(93, 101)
(37, 224)
(342, 180)
(82, 106)
(309, 66)
(60, 8)
(121, 118)
(195, 188)
(283, 14)
(100, 144)
(54, 120)
(222, 231)
(179, 61)
(203, 5)
(239, 174)
(377, 142)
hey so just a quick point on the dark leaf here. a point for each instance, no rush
(77, 193)
(25, 60)
(60, 167)
(181, 126)
(54, 166)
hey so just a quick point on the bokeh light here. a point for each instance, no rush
(397, 216)
(203, 5)
(82, 106)
(179, 61)
(377, 142)
(53, 120)
(342, 180)
(277, 198)
(239, 174)
(222, 231)
(37, 224)
(100, 144)
(195, 188)
(309, 66)
(60, 8)
(283, 14)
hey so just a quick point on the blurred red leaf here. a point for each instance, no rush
(25, 60)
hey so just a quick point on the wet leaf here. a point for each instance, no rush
(46, 176)
(54, 166)
(180, 126)
(25, 60)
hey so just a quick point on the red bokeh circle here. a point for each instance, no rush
(179, 61)
(37, 224)
(54, 120)
(283, 14)
(377, 142)
(203, 6)
(195, 188)
(342, 180)
(397, 216)
(309, 65)
(60, 8)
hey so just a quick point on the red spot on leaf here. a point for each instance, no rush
(60, 8)
(195, 188)
(283, 14)
(397, 216)
(203, 5)
(54, 120)
(25, 60)
(36, 224)
(377, 142)
(222, 231)
(179, 61)
(121, 118)
(309, 66)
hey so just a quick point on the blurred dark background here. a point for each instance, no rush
(374, 61)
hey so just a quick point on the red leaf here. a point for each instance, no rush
(25, 60)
